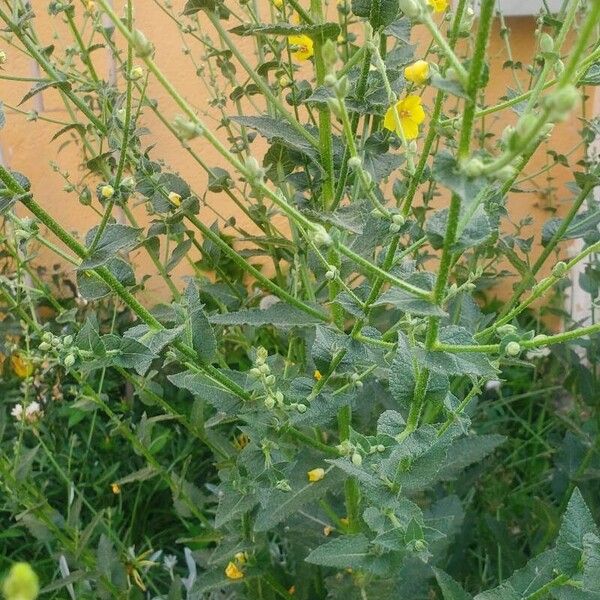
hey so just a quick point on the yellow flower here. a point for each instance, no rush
(21, 583)
(241, 557)
(174, 198)
(327, 530)
(241, 441)
(418, 72)
(438, 5)
(344, 521)
(233, 571)
(107, 191)
(304, 46)
(317, 375)
(410, 114)
(316, 475)
(116, 488)
(277, 3)
(22, 366)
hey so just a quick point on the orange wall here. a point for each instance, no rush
(26, 146)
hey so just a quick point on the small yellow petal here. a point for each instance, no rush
(317, 375)
(438, 5)
(232, 571)
(22, 366)
(116, 488)
(410, 128)
(21, 583)
(327, 530)
(315, 475)
(241, 557)
(174, 198)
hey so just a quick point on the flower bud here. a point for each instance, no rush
(301, 408)
(270, 402)
(270, 379)
(380, 448)
(320, 237)
(411, 8)
(330, 80)
(69, 360)
(357, 459)
(141, 45)
(175, 199)
(506, 330)
(398, 219)
(3, 57)
(560, 102)
(513, 348)
(107, 191)
(283, 485)
(354, 163)
(136, 73)
(559, 269)
(546, 43)
(185, 128)
(255, 171)
(67, 340)
(473, 167)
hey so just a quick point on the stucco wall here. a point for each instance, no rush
(26, 146)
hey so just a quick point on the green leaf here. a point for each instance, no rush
(591, 563)
(592, 75)
(115, 238)
(276, 130)
(131, 354)
(447, 172)
(467, 451)
(233, 503)
(348, 551)
(154, 339)
(379, 12)
(278, 505)
(576, 523)
(40, 86)
(450, 589)
(321, 31)
(92, 287)
(584, 225)
(459, 363)
(525, 582)
(88, 339)
(279, 314)
(203, 337)
(194, 6)
(205, 388)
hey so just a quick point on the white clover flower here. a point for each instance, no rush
(17, 412)
(33, 412)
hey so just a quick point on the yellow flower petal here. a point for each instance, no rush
(438, 5)
(304, 46)
(410, 128)
(418, 72)
(21, 583)
(316, 475)
(22, 367)
(317, 375)
(232, 571)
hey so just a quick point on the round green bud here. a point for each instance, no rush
(506, 330)
(254, 373)
(398, 219)
(513, 348)
(141, 45)
(354, 163)
(264, 369)
(69, 360)
(44, 346)
(270, 380)
(269, 402)
(546, 43)
(380, 448)
(559, 269)
(68, 340)
(420, 545)
(301, 408)
(411, 8)
(357, 459)
(473, 167)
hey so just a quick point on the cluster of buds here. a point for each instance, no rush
(356, 453)
(136, 73)
(397, 223)
(319, 236)
(273, 397)
(509, 340)
(61, 346)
